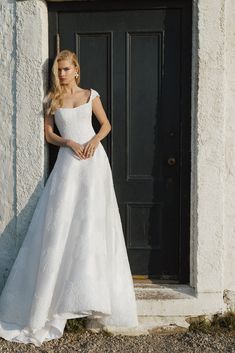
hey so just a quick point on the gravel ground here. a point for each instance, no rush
(167, 342)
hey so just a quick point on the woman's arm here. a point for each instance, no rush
(50, 136)
(105, 128)
(57, 140)
(101, 116)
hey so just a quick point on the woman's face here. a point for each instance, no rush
(66, 72)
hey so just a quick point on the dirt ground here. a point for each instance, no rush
(167, 342)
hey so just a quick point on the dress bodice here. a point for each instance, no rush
(76, 123)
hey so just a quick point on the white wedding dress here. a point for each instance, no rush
(73, 260)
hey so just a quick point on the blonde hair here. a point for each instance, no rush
(53, 100)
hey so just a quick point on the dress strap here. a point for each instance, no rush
(94, 94)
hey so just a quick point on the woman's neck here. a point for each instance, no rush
(71, 88)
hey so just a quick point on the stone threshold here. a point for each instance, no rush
(147, 290)
(172, 305)
(163, 307)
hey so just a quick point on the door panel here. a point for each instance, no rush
(135, 57)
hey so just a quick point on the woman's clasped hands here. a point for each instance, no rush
(84, 151)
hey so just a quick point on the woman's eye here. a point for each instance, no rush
(66, 69)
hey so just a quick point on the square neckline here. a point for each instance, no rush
(80, 104)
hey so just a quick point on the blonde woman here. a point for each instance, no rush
(73, 260)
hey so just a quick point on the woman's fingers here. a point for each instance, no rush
(79, 153)
(89, 150)
(84, 152)
(86, 149)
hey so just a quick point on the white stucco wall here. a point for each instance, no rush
(208, 120)
(229, 178)
(24, 51)
(31, 59)
(7, 136)
(213, 152)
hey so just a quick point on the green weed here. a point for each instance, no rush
(217, 323)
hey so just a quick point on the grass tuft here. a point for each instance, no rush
(76, 325)
(218, 323)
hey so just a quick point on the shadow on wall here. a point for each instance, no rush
(10, 240)
(13, 235)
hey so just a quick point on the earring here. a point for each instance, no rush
(76, 75)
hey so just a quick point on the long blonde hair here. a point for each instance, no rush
(53, 100)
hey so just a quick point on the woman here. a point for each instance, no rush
(73, 260)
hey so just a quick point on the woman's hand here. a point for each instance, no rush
(77, 148)
(90, 147)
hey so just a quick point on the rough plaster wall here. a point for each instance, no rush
(24, 52)
(194, 152)
(229, 258)
(7, 136)
(31, 54)
(208, 144)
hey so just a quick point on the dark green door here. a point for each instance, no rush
(137, 56)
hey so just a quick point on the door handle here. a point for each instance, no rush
(171, 161)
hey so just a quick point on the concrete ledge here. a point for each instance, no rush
(163, 292)
(165, 305)
(168, 306)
